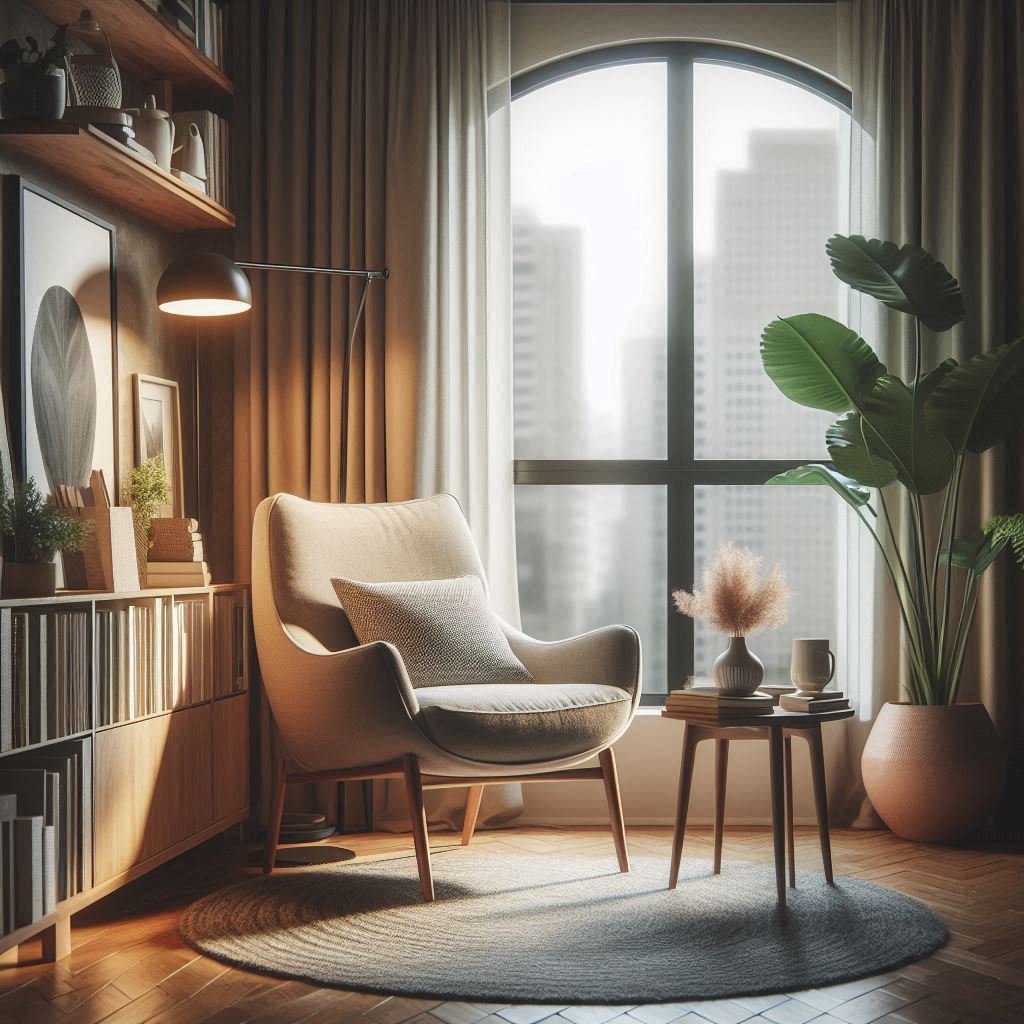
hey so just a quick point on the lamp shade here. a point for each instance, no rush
(204, 284)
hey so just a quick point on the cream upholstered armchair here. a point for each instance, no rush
(348, 711)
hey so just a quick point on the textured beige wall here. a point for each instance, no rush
(802, 32)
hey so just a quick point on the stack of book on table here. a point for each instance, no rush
(707, 704)
(814, 703)
(176, 558)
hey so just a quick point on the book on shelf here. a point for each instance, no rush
(27, 856)
(178, 574)
(814, 704)
(7, 872)
(215, 132)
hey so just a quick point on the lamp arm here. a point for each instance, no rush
(369, 275)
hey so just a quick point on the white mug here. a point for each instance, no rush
(813, 665)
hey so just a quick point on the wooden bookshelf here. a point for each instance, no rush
(161, 782)
(146, 45)
(85, 155)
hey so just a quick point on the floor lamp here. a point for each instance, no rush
(207, 284)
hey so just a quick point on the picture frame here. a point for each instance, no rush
(158, 432)
(60, 314)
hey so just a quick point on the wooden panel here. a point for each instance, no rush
(152, 787)
(230, 755)
(96, 162)
(145, 45)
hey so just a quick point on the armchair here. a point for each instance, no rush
(347, 711)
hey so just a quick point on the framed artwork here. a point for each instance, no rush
(158, 432)
(61, 317)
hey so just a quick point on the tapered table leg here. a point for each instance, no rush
(690, 740)
(790, 842)
(721, 774)
(820, 796)
(778, 811)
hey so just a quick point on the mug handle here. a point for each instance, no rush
(832, 663)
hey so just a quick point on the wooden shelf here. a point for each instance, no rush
(146, 45)
(93, 160)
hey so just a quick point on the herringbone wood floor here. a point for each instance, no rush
(129, 964)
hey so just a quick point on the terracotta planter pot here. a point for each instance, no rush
(29, 579)
(933, 773)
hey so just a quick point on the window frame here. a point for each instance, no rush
(680, 472)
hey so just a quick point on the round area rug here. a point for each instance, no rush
(553, 929)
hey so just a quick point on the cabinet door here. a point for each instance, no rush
(152, 787)
(230, 755)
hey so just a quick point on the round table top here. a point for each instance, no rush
(778, 719)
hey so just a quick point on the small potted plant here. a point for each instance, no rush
(33, 85)
(144, 492)
(34, 530)
(735, 602)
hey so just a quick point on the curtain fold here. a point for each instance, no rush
(373, 133)
(937, 87)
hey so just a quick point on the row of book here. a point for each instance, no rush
(230, 617)
(176, 555)
(44, 675)
(202, 22)
(45, 830)
(150, 658)
(709, 705)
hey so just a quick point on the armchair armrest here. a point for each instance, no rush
(338, 708)
(610, 655)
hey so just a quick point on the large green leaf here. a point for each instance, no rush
(923, 458)
(823, 475)
(978, 551)
(853, 458)
(978, 403)
(931, 380)
(905, 278)
(819, 362)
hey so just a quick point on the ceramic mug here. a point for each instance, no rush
(813, 665)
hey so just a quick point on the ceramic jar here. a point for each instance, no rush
(736, 671)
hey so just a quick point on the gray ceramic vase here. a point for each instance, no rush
(736, 671)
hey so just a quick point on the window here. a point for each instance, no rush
(669, 200)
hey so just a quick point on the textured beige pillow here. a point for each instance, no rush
(444, 629)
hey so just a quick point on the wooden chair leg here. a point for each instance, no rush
(473, 798)
(775, 757)
(690, 740)
(611, 792)
(418, 815)
(721, 774)
(276, 813)
(820, 796)
(790, 840)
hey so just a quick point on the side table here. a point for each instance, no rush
(778, 729)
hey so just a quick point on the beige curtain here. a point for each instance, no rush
(369, 134)
(936, 89)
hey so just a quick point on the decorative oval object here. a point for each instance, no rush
(737, 671)
(933, 773)
(63, 384)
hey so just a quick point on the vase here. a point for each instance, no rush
(29, 579)
(736, 671)
(933, 773)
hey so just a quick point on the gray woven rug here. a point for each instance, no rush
(553, 929)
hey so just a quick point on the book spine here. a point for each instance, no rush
(6, 681)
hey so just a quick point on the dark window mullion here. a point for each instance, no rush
(679, 262)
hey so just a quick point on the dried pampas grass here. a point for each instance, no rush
(731, 598)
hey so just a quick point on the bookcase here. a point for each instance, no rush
(124, 741)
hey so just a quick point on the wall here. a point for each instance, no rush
(802, 32)
(648, 756)
(148, 341)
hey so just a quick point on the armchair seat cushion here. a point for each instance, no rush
(518, 723)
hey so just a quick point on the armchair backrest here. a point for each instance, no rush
(299, 546)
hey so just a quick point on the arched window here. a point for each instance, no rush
(669, 200)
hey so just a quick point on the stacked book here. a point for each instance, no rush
(214, 132)
(44, 676)
(176, 558)
(45, 831)
(814, 703)
(709, 705)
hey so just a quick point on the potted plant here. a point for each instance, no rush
(932, 767)
(34, 530)
(33, 83)
(144, 492)
(736, 603)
